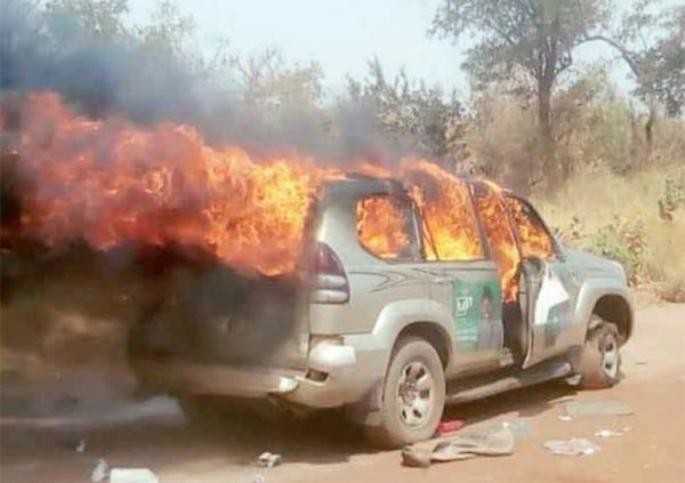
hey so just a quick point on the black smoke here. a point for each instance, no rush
(120, 74)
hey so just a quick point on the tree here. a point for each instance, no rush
(267, 79)
(652, 44)
(412, 113)
(663, 65)
(537, 37)
(102, 19)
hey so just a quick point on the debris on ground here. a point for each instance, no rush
(99, 472)
(81, 446)
(520, 428)
(597, 408)
(496, 441)
(608, 433)
(574, 380)
(572, 447)
(269, 460)
(565, 417)
(259, 479)
(448, 427)
(132, 475)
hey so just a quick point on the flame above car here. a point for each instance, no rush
(109, 181)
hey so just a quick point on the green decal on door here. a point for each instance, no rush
(474, 302)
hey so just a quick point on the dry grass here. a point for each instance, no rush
(619, 216)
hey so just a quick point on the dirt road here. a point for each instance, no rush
(154, 434)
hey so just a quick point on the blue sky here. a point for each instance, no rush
(341, 35)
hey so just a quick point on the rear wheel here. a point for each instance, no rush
(600, 361)
(413, 395)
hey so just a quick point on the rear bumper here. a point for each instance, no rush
(192, 378)
(350, 374)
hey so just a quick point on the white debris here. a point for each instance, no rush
(574, 380)
(608, 433)
(99, 472)
(565, 417)
(132, 475)
(269, 460)
(81, 446)
(572, 447)
(259, 479)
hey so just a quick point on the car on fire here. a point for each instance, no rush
(389, 318)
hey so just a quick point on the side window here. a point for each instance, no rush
(534, 239)
(449, 228)
(386, 227)
(493, 217)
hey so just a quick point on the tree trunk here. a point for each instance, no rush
(545, 128)
(544, 108)
(649, 125)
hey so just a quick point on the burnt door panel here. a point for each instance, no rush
(550, 310)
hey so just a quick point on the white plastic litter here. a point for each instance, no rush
(132, 475)
(608, 433)
(81, 446)
(99, 472)
(565, 417)
(572, 447)
(269, 460)
(520, 428)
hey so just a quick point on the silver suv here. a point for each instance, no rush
(387, 320)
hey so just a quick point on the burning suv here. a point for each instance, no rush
(407, 296)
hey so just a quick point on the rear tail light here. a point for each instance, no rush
(329, 283)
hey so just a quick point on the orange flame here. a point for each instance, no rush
(450, 228)
(110, 181)
(382, 227)
(503, 244)
(533, 239)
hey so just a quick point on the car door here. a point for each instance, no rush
(548, 287)
(464, 279)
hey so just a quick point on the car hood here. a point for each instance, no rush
(591, 265)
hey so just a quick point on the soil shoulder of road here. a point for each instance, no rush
(650, 447)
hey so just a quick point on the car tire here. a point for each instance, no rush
(599, 366)
(413, 396)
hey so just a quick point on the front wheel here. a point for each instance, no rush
(600, 361)
(413, 395)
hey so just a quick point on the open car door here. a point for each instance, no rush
(549, 309)
(547, 294)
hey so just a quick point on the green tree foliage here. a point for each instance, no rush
(537, 37)
(652, 42)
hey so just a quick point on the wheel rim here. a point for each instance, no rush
(610, 356)
(415, 394)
